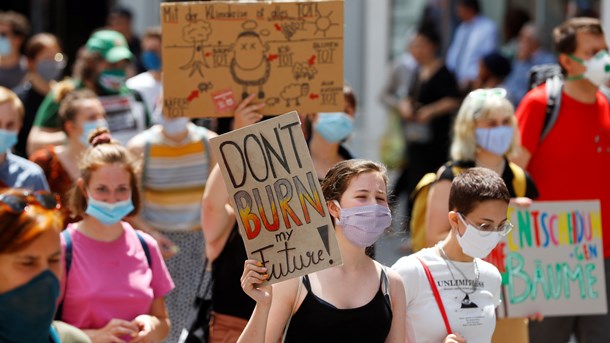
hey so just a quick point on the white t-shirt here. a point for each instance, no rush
(474, 321)
(148, 87)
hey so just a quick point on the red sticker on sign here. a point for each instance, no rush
(224, 100)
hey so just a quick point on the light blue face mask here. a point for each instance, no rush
(175, 125)
(27, 311)
(88, 127)
(496, 140)
(7, 140)
(5, 46)
(106, 213)
(335, 126)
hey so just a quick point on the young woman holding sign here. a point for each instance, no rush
(359, 301)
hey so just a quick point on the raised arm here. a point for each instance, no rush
(217, 215)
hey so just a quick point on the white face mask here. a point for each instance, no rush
(598, 68)
(477, 243)
(174, 126)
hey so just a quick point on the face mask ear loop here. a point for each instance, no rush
(463, 222)
(576, 77)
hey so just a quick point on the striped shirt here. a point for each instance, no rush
(173, 180)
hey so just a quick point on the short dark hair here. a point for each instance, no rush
(428, 30)
(39, 42)
(121, 11)
(473, 186)
(564, 35)
(18, 22)
(472, 4)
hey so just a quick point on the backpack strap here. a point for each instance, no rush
(145, 247)
(437, 296)
(68, 252)
(519, 180)
(426, 180)
(554, 86)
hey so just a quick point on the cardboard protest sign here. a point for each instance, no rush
(278, 202)
(552, 262)
(216, 53)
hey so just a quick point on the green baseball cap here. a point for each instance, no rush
(110, 44)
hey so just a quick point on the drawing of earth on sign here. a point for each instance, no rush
(249, 65)
(196, 33)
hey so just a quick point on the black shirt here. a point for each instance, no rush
(318, 321)
(31, 100)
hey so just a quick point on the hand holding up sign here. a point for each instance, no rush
(254, 274)
(247, 113)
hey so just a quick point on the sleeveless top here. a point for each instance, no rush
(227, 295)
(318, 321)
(173, 180)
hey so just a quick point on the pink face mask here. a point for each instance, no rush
(363, 225)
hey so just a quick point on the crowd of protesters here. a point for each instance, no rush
(97, 229)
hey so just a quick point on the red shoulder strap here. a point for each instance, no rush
(437, 296)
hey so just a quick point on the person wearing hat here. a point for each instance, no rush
(101, 67)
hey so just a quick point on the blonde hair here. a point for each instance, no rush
(104, 151)
(8, 96)
(479, 104)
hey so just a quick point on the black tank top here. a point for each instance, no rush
(228, 296)
(318, 321)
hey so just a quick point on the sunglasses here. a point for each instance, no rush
(18, 203)
(484, 93)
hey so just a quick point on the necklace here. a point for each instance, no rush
(476, 273)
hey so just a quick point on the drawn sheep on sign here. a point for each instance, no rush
(303, 70)
(197, 33)
(293, 92)
(249, 65)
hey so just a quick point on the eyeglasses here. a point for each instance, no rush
(18, 203)
(502, 229)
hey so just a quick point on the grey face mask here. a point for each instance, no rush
(49, 69)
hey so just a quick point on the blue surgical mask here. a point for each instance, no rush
(7, 140)
(496, 140)
(5, 46)
(175, 125)
(27, 311)
(334, 127)
(106, 213)
(89, 126)
(151, 60)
